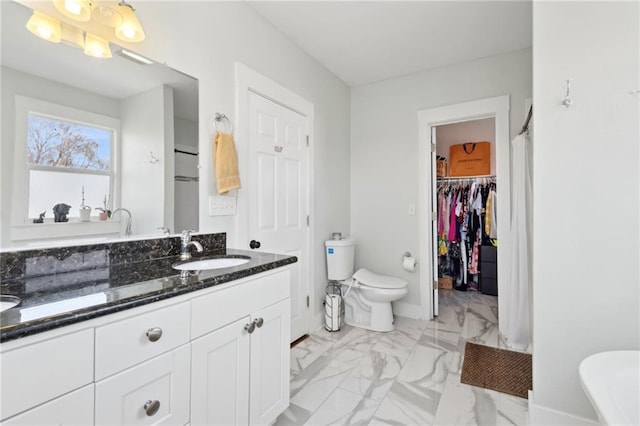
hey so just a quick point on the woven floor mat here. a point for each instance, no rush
(497, 369)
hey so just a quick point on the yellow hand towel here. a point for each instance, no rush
(226, 161)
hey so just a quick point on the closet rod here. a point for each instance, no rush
(463, 178)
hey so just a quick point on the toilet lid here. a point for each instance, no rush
(370, 279)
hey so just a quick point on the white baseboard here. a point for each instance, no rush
(540, 415)
(409, 310)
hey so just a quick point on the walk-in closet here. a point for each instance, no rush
(465, 201)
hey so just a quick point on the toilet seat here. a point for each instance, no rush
(374, 280)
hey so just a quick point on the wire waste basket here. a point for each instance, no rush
(333, 307)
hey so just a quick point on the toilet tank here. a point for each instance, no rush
(340, 258)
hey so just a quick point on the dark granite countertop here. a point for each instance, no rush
(58, 299)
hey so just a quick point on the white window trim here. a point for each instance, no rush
(21, 229)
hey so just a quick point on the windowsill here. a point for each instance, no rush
(71, 229)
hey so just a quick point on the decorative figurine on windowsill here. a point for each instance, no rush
(60, 212)
(41, 218)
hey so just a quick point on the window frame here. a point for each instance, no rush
(22, 227)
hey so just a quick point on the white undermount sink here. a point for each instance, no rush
(8, 302)
(203, 265)
(611, 380)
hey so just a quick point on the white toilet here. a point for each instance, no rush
(367, 296)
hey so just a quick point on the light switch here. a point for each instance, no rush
(222, 206)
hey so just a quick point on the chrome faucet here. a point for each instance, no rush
(185, 251)
(128, 228)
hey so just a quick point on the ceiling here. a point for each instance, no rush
(366, 41)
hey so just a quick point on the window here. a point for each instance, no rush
(65, 159)
(58, 152)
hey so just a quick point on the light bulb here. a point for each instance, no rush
(130, 30)
(79, 10)
(96, 46)
(45, 27)
(73, 6)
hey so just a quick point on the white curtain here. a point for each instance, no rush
(517, 324)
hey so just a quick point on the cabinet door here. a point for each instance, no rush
(154, 392)
(220, 376)
(75, 408)
(270, 363)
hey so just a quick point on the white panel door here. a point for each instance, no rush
(278, 193)
(270, 363)
(220, 376)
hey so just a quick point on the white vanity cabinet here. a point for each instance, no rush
(154, 392)
(44, 369)
(74, 408)
(214, 356)
(240, 370)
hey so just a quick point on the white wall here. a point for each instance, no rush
(586, 296)
(466, 131)
(384, 150)
(145, 191)
(205, 40)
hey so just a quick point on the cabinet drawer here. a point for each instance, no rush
(160, 384)
(489, 286)
(34, 374)
(75, 408)
(488, 254)
(125, 343)
(222, 307)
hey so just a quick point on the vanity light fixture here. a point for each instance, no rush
(72, 36)
(79, 10)
(135, 57)
(130, 29)
(106, 14)
(45, 27)
(96, 46)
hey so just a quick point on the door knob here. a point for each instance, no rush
(259, 322)
(250, 327)
(254, 244)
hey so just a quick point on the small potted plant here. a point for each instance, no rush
(105, 212)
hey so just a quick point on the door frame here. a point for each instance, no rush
(497, 107)
(249, 80)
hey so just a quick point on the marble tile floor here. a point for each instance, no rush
(410, 376)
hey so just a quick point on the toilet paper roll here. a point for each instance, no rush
(409, 263)
(332, 312)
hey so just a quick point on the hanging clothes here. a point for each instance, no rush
(465, 219)
(518, 294)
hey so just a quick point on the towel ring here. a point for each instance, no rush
(221, 118)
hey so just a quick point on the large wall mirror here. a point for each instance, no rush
(113, 134)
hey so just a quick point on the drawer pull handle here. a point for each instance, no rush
(259, 322)
(151, 407)
(250, 327)
(154, 334)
